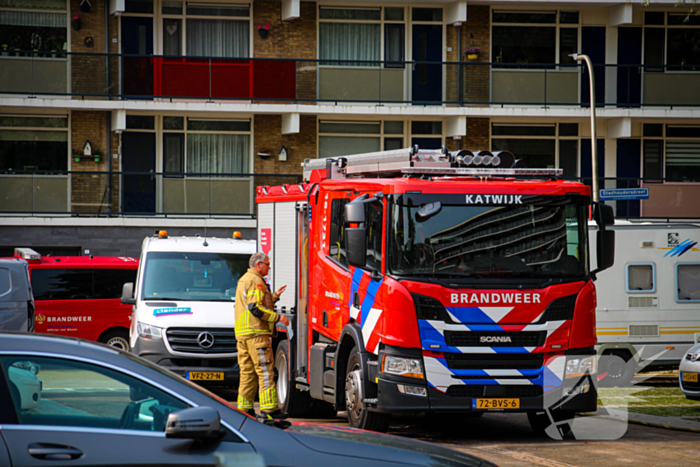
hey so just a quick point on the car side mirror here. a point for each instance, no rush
(194, 423)
(128, 294)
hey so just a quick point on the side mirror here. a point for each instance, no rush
(355, 210)
(605, 250)
(193, 423)
(428, 210)
(128, 294)
(356, 245)
(604, 215)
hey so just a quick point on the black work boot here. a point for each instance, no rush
(251, 412)
(275, 415)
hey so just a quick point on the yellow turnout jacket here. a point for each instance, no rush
(254, 306)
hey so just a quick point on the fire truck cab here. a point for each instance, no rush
(430, 281)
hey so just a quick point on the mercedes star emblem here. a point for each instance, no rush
(205, 340)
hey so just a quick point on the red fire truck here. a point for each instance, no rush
(436, 282)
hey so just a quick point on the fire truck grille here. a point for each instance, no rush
(495, 338)
(430, 308)
(494, 362)
(187, 340)
(560, 309)
(478, 390)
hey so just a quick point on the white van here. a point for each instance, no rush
(649, 301)
(183, 317)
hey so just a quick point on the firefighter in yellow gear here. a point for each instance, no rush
(255, 323)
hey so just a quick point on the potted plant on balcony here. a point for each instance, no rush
(472, 53)
(5, 51)
(76, 23)
(97, 154)
(263, 30)
(77, 155)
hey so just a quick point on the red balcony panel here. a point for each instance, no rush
(188, 77)
(275, 79)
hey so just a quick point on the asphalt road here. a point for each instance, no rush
(507, 440)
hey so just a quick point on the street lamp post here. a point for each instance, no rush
(594, 142)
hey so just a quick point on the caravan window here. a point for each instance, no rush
(688, 282)
(641, 277)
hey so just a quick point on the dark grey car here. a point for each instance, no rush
(16, 298)
(98, 406)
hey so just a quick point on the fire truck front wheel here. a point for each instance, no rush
(294, 402)
(358, 415)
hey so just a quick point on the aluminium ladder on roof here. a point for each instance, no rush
(411, 160)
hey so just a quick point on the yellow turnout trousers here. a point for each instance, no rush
(257, 372)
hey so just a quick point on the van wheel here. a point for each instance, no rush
(358, 415)
(117, 339)
(294, 402)
(620, 368)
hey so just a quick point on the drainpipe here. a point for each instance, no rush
(109, 115)
(459, 59)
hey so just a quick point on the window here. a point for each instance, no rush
(688, 282)
(336, 239)
(540, 146)
(33, 25)
(210, 30)
(201, 146)
(534, 37)
(356, 34)
(76, 284)
(671, 39)
(57, 392)
(671, 152)
(641, 277)
(33, 143)
(341, 138)
(375, 228)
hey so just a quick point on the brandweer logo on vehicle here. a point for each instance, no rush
(678, 248)
(172, 311)
(40, 319)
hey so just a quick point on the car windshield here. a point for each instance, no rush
(539, 238)
(192, 276)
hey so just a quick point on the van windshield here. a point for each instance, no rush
(192, 276)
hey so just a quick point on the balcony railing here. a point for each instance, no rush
(164, 194)
(260, 80)
(105, 194)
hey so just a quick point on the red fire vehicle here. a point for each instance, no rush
(429, 281)
(80, 296)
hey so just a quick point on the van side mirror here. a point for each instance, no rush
(603, 215)
(128, 294)
(356, 245)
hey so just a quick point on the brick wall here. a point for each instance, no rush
(268, 139)
(88, 191)
(88, 72)
(288, 39)
(477, 134)
(476, 33)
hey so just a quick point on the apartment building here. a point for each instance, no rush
(120, 117)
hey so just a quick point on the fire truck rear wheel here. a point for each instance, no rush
(294, 402)
(117, 339)
(358, 415)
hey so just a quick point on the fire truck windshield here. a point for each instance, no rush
(537, 237)
(192, 276)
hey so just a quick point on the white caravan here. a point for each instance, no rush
(649, 301)
(183, 305)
